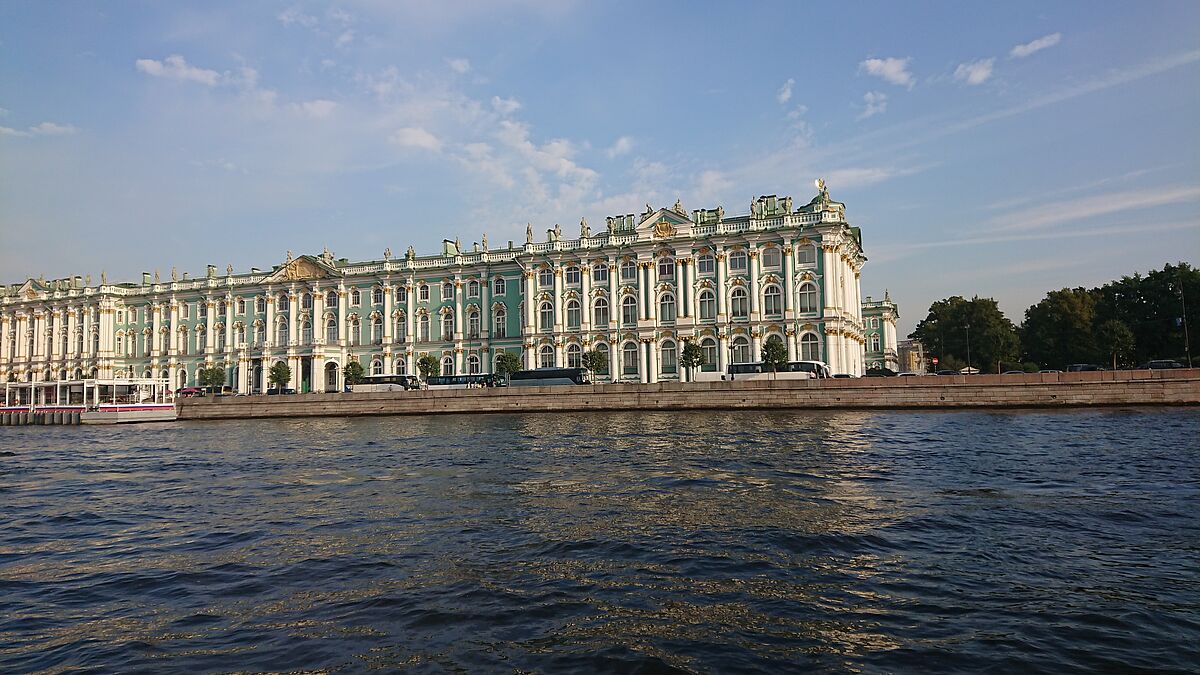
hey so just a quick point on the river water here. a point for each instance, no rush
(712, 542)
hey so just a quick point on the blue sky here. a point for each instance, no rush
(1000, 149)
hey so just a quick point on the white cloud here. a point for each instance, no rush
(874, 103)
(9, 131)
(505, 106)
(785, 92)
(317, 109)
(890, 69)
(460, 66)
(623, 145)
(174, 67)
(345, 38)
(1021, 51)
(52, 129)
(294, 15)
(1090, 207)
(974, 72)
(416, 137)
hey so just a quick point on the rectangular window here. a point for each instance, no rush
(600, 273)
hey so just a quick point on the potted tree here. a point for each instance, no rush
(353, 373)
(691, 358)
(281, 375)
(507, 363)
(774, 355)
(594, 361)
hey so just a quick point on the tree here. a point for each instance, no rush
(1059, 330)
(1116, 339)
(774, 354)
(353, 372)
(507, 363)
(211, 376)
(281, 375)
(428, 365)
(1152, 308)
(595, 361)
(958, 330)
(692, 357)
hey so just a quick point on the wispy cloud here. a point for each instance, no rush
(874, 102)
(974, 72)
(460, 66)
(891, 69)
(785, 92)
(294, 15)
(416, 137)
(1021, 51)
(43, 129)
(505, 106)
(317, 109)
(1056, 213)
(175, 67)
(623, 145)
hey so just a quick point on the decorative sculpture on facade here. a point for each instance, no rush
(584, 231)
(485, 248)
(528, 233)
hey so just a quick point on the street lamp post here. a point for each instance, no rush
(968, 349)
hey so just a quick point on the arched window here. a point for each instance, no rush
(447, 290)
(771, 257)
(240, 335)
(545, 277)
(447, 327)
(629, 271)
(706, 264)
(806, 254)
(808, 297)
(423, 328)
(201, 342)
(473, 324)
(306, 333)
(401, 294)
(809, 348)
(573, 314)
(399, 366)
(331, 300)
(260, 333)
(603, 349)
(875, 342)
(281, 334)
(666, 268)
(202, 306)
(600, 313)
(377, 330)
(499, 323)
(772, 301)
(629, 311)
(670, 362)
(498, 286)
(79, 342)
(377, 299)
(574, 356)
(423, 293)
(666, 307)
(739, 303)
(96, 341)
(600, 273)
(737, 261)
(120, 345)
(741, 349)
(629, 358)
(281, 304)
(472, 289)
(221, 310)
(708, 347)
(331, 331)
(400, 332)
(573, 276)
(447, 365)
(305, 302)
(355, 297)
(473, 364)
(546, 356)
(240, 306)
(355, 332)
(708, 305)
(260, 305)
(377, 367)
(546, 316)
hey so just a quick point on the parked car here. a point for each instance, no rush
(1082, 367)
(273, 392)
(1161, 364)
(948, 372)
(880, 372)
(909, 373)
(1049, 370)
(1014, 372)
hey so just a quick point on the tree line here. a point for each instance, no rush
(1125, 322)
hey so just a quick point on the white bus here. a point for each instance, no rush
(386, 383)
(478, 381)
(795, 370)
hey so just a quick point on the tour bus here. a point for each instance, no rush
(387, 383)
(545, 377)
(818, 368)
(461, 381)
(795, 370)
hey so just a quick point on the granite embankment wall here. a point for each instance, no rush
(1049, 390)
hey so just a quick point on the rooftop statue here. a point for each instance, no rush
(720, 212)
(387, 253)
(412, 253)
(289, 255)
(103, 278)
(229, 270)
(156, 279)
(584, 230)
(528, 233)
(678, 208)
(557, 232)
(88, 281)
(485, 241)
(608, 222)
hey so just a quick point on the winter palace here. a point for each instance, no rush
(638, 290)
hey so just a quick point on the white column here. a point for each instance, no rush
(172, 346)
(722, 291)
(722, 353)
(294, 326)
(828, 276)
(558, 299)
(388, 322)
(343, 330)
(789, 278)
(791, 344)
(754, 271)
(585, 299)
(527, 295)
(269, 324)
(644, 360)
(210, 318)
(318, 324)
(614, 297)
(39, 337)
(654, 361)
(682, 306)
(485, 317)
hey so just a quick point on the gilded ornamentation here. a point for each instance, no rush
(664, 228)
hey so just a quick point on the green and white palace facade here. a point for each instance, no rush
(638, 289)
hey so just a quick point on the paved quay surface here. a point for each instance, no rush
(1043, 390)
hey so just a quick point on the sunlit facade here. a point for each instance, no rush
(638, 290)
